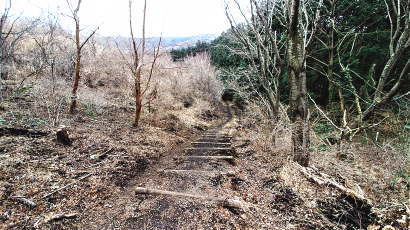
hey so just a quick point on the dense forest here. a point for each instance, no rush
(296, 117)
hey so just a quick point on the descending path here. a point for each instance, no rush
(189, 185)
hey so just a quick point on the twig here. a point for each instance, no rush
(25, 201)
(64, 187)
(324, 114)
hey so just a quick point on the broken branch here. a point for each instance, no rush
(25, 201)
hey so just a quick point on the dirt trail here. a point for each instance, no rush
(200, 178)
(176, 171)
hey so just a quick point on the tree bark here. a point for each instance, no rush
(138, 98)
(73, 105)
(332, 85)
(138, 62)
(79, 47)
(298, 110)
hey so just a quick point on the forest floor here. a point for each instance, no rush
(92, 184)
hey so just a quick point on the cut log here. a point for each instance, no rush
(221, 201)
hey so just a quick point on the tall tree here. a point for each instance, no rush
(137, 62)
(298, 104)
(257, 43)
(294, 21)
(368, 57)
(398, 13)
(79, 47)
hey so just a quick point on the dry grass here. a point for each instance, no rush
(33, 167)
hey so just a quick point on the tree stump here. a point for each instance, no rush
(63, 136)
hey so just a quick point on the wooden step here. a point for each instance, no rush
(208, 157)
(222, 201)
(180, 171)
(209, 149)
(217, 137)
(209, 143)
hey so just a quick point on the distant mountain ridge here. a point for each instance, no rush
(173, 42)
(180, 42)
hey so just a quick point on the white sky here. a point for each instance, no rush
(172, 18)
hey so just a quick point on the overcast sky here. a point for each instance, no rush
(172, 18)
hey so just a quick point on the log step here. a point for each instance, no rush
(216, 135)
(221, 201)
(209, 149)
(213, 143)
(180, 171)
(209, 157)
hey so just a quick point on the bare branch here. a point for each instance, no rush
(88, 38)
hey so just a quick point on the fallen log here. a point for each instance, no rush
(11, 131)
(323, 179)
(220, 201)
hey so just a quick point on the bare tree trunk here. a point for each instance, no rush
(341, 102)
(73, 105)
(138, 62)
(79, 47)
(332, 85)
(138, 98)
(298, 110)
